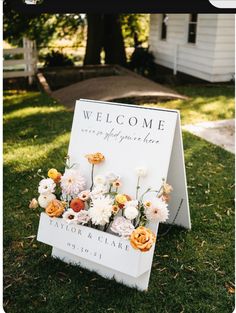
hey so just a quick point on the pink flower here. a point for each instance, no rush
(72, 182)
(122, 227)
(83, 217)
(157, 211)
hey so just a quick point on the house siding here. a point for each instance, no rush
(212, 56)
(224, 55)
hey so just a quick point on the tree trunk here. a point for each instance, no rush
(94, 39)
(113, 40)
(104, 31)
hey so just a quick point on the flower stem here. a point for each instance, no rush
(108, 224)
(92, 177)
(137, 188)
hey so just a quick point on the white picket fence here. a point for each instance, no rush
(25, 66)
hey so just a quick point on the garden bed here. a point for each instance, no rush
(59, 77)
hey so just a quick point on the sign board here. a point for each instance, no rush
(129, 137)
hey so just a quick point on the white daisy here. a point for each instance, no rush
(70, 216)
(72, 182)
(158, 211)
(84, 195)
(101, 210)
(45, 198)
(46, 185)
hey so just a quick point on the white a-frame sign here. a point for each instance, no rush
(129, 136)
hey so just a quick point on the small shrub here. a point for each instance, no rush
(56, 58)
(142, 61)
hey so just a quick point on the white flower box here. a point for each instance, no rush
(94, 245)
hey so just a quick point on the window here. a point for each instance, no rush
(164, 26)
(192, 28)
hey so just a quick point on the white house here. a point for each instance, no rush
(200, 45)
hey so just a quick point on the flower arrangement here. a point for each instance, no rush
(103, 206)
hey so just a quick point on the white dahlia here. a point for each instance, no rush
(101, 210)
(46, 185)
(157, 211)
(98, 191)
(45, 198)
(72, 182)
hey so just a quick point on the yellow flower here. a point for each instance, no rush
(53, 173)
(55, 208)
(142, 238)
(147, 204)
(95, 158)
(121, 199)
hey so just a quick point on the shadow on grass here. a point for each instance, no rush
(19, 100)
(45, 127)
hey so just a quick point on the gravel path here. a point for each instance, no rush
(221, 133)
(113, 87)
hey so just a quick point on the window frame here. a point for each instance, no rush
(164, 27)
(190, 23)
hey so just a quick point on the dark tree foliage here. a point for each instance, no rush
(104, 31)
(39, 27)
(56, 58)
(142, 61)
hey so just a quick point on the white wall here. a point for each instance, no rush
(208, 58)
(224, 54)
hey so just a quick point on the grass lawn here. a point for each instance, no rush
(204, 103)
(192, 271)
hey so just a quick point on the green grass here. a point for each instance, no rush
(204, 103)
(192, 271)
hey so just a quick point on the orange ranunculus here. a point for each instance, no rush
(55, 208)
(142, 238)
(95, 158)
(77, 205)
(58, 178)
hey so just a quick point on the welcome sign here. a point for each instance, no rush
(129, 137)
